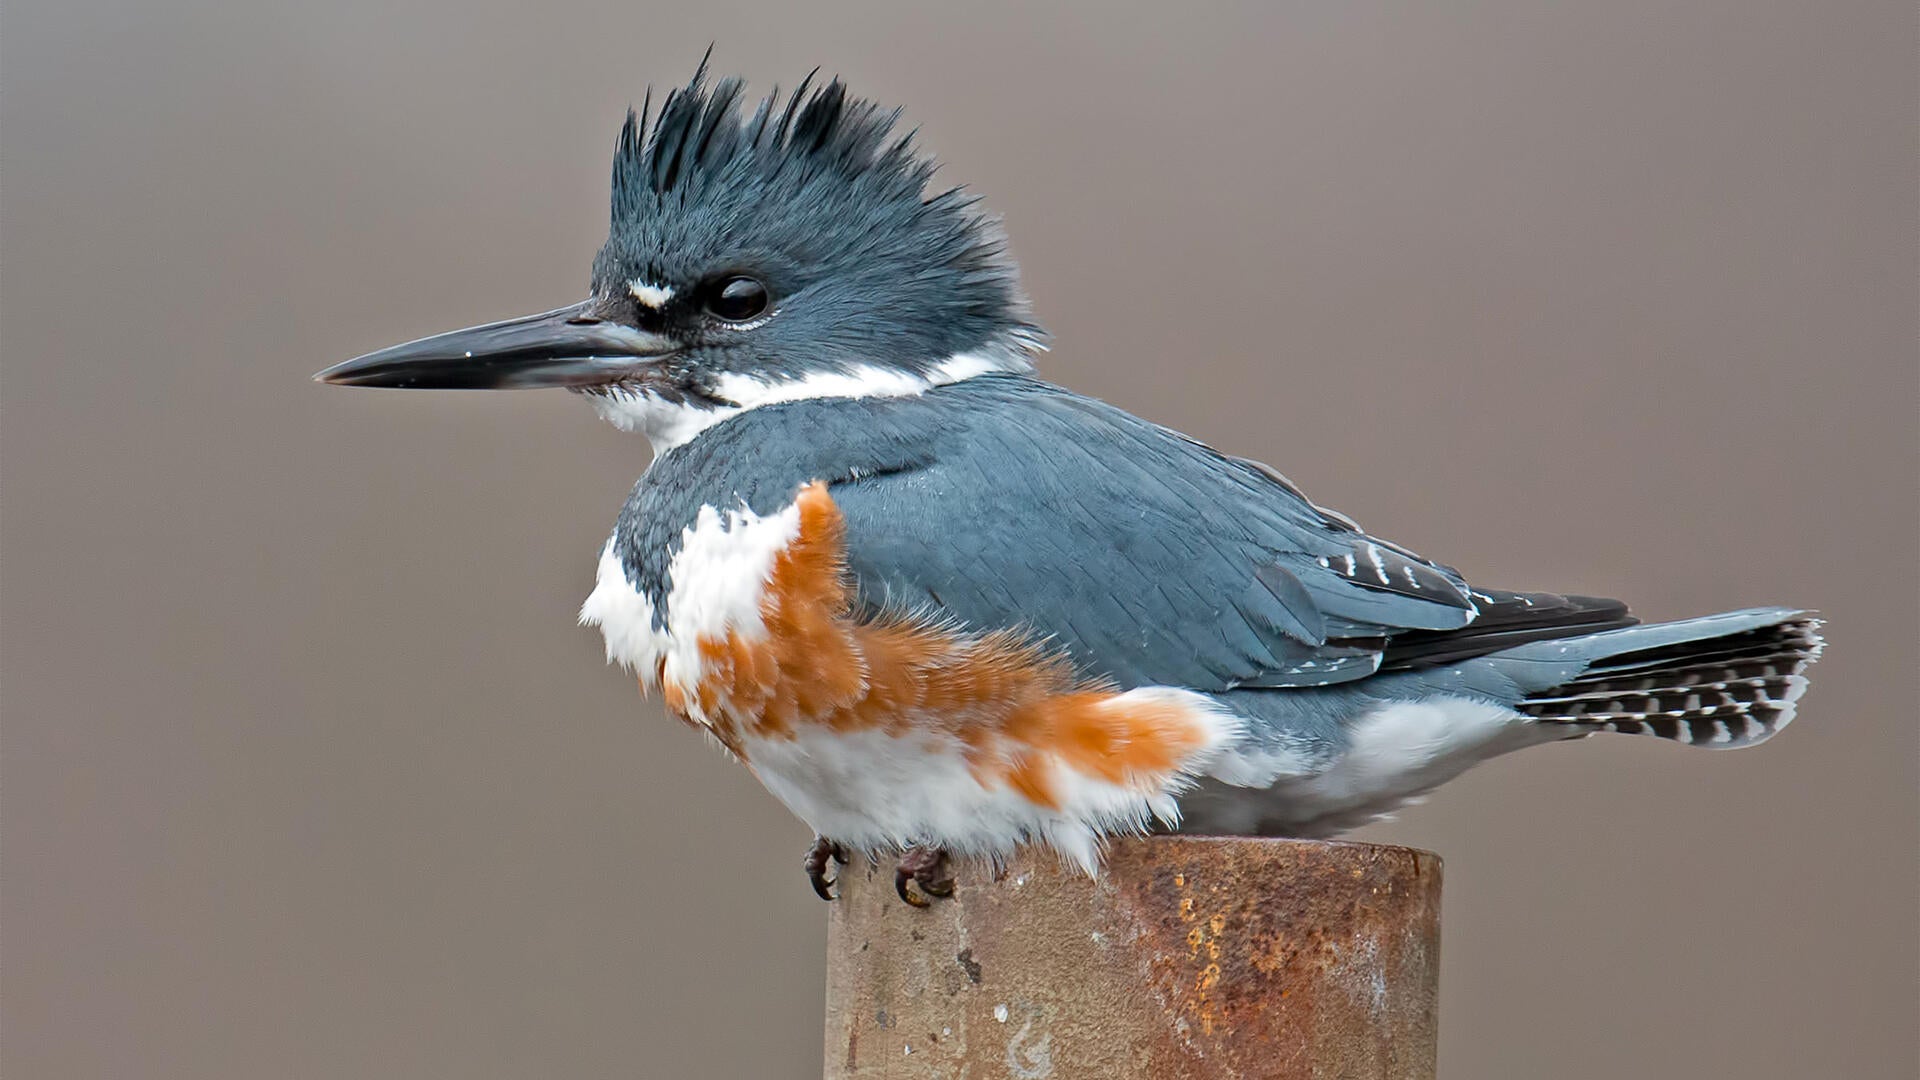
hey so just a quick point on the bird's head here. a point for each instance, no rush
(755, 256)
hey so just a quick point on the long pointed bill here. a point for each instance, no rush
(567, 347)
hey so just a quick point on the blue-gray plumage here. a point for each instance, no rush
(821, 202)
(934, 601)
(1150, 558)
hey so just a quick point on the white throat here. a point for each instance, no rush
(668, 424)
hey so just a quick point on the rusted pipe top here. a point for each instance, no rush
(1189, 957)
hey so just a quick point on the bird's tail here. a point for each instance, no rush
(1722, 681)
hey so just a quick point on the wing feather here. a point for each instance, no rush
(1147, 556)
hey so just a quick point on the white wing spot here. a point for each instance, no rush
(1372, 552)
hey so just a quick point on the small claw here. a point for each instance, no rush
(815, 864)
(927, 868)
(901, 876)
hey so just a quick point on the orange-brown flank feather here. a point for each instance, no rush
(1014, 709)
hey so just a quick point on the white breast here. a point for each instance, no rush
(716, 581)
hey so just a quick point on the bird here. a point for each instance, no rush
(942, 608)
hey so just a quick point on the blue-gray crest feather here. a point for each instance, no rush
(817, 194)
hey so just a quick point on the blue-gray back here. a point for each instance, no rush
(1006, 502)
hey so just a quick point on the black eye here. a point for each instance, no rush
(736, 299)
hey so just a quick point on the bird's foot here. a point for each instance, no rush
(816, 865)
(927, 868)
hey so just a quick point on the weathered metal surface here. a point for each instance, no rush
(1190, 957)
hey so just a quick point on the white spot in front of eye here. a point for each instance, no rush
(649, 294)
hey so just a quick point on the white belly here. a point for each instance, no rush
(1396, 753)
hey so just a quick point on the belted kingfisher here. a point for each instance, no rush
(938, 605)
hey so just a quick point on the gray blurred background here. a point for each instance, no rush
(309, 773)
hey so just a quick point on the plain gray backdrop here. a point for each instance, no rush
(309, 773)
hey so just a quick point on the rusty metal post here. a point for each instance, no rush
(1190, 957)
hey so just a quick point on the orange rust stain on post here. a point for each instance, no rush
(1191, 957)
(1201, 936)
(1016, 710)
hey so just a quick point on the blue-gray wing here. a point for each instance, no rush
(1146, 556)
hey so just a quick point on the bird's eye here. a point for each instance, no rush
(736, 299)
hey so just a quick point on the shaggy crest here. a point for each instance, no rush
(701, 135)
(805, 187)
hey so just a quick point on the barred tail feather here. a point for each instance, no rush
(1722, 691)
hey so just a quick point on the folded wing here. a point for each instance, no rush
(1150, 558)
